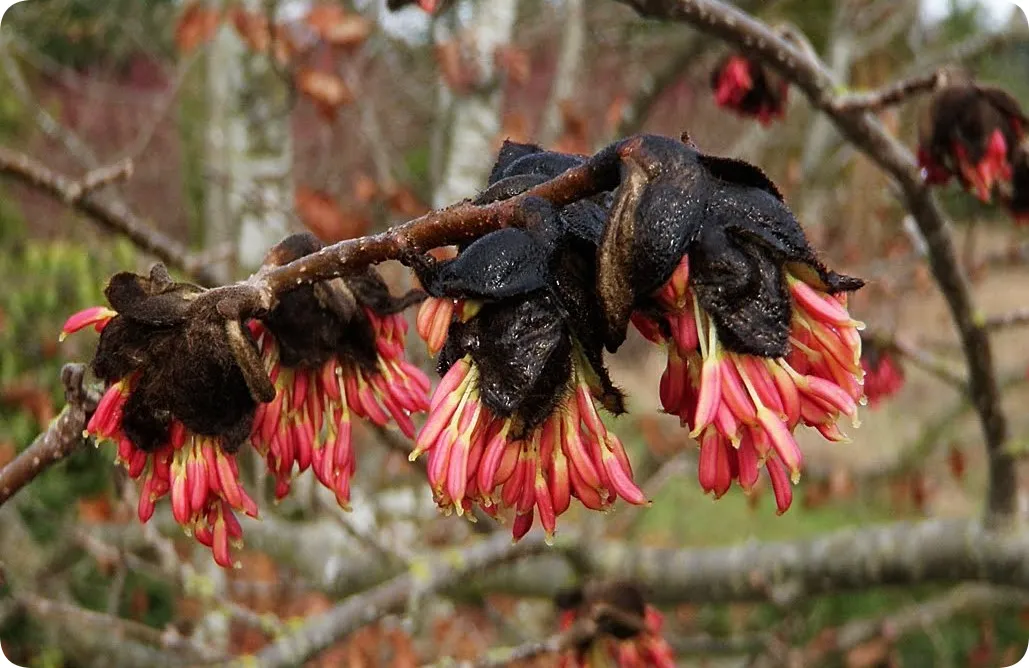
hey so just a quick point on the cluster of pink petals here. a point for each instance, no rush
(647, 649)
(882, 379)
(743, 409)
(474, 458)
(308, 423)
(977, 178)
(734, 82)
(201, 478)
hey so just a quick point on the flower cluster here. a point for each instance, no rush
(160, 349)
(333, 350)
(973, 133)
(884, 375)
(186, 388)
(756, 330)
(514, 423)
(749, 88)
(611, 624)
(699, 253)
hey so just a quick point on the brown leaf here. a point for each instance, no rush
(327, 91)
(252, 29)
(956, 462)
(365, 188)
(197, 25)
(30, 398)
(403, 202)
(515, 63)
(615, 112)
(324, 218)
(457, 73)
(96, 509)
(573, 139)
(338, 28)
(7, 453)
(868, 654)
(513, 126)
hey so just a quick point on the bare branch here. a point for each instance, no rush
(1014, 318)
(431, 574)
(810, 77)
(886, 96)
(62, 438)
(113, 216)
(152, 646)
(918, 617)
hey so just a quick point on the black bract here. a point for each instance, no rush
(728, 217)
(537, 288)
(190, 362)
(313, 323)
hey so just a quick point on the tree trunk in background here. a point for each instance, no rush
(249, 150)
(567, 72)
(470, 122)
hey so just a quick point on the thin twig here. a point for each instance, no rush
(911, 619)
(889, 95)
(1014, 318)
(109, 214)
(62, 438)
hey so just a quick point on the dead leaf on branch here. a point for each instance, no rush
(324, 218)
(196, 26)
(253, 28)
(515, 63)
(30, 398)
(326, 90)
(365, 188)
(403, 202)
(457, 70)
(337, 27)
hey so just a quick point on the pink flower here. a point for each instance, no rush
(309, 423)
(475, 456)
(743, 409)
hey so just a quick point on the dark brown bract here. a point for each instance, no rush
(186, 362)
(315, 322)
(737, 231)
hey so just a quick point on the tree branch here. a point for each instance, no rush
(886, 96)
(431, 574)
(918, 617)
(61, 439)
(863, 129)
(1014, 318)
(112, 216)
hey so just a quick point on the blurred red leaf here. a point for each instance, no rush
(324, 218)
(816, 494)
(868, 654)
(919, 490)
(458, 74)
(326, 90)
(615, 112)
(7, 453)
(252, 29)
(573, 139)
(335, 26)
(513, 126)
(197, 25)
(514, 62)
(403, 202)
(30, 398)
(956, 462)
(365, 188)
(95, 509)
